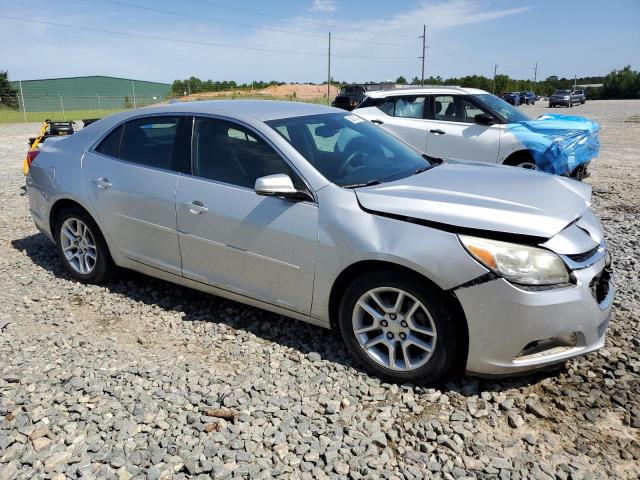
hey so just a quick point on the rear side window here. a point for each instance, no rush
(149, 141)
(410, 106)
(110, 146)
(387, 105)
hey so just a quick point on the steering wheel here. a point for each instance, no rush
(353, 156)
(356, 149)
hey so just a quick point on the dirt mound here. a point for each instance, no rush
(299, 90)
(290, 90)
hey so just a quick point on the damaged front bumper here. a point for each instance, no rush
(515, 329)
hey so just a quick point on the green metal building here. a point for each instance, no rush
(84, 93)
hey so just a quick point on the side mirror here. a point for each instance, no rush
(279, 185)
(485, 119)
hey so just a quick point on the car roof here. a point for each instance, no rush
(452, 90)
(261, 110)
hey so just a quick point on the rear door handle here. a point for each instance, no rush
(196, 207)
(102, 183)
(375, 120)
(437, 131)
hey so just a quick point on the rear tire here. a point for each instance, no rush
(81, 246)
(390, 337)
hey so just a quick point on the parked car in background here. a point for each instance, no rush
(471, 124)
(317, 214)
(580, 94)
(528, 97)
(566, 98)
(511, 97)
(351, 95)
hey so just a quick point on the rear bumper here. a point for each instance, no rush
(513, 330)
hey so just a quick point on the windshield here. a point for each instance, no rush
(561, 92)
(348, 150)
(510, 113)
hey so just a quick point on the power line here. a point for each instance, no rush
(279, 17)
(193, 42)
(247, 25)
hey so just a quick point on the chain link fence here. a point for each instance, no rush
(37, 108)
(69, 107)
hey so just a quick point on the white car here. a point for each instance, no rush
(470, 124)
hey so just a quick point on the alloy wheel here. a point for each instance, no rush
(78, 245)
(394, 329)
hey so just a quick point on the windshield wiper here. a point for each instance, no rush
(364, 184)
(422, 169)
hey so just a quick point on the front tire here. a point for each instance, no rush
(81, 246)
(398, 328)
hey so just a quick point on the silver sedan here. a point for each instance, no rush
(424, 265)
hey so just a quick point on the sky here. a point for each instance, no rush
(287, 40)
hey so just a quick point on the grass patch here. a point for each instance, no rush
(8, 115)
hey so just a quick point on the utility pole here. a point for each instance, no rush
(329, 72)
(24, 108)
(424, 51)
(575, 79)
(99, 102)
(535, 75)
(133, 86)
(495, 70)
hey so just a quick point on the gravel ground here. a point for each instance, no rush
(141, 378)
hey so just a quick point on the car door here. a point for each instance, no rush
(232, 238)
(454, 134)
(402, 116)
(131, 181)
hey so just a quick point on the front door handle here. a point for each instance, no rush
(196, 207)
(102, 183)
(437, 131)
(375, 120)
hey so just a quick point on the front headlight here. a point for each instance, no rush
(517, 263)
(566, 98)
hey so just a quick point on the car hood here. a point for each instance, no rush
(489, 198)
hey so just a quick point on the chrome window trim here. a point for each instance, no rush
(193, 116)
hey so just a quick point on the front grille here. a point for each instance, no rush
(581, 257)
(600, 285)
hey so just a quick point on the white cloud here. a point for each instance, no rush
(324, 6)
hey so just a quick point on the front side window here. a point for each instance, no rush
(507, 111)
(348, 150)
(469, 110)
(226, 152)
(149, 141)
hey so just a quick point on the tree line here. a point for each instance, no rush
(195, 85)
(618, 84)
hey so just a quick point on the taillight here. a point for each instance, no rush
(31, 156)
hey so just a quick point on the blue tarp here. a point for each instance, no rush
(558, 143)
